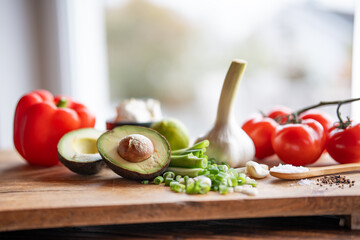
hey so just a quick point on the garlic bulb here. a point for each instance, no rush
(228, 142)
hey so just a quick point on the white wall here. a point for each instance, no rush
(18, 61)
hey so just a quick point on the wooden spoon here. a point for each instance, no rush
(319, 171)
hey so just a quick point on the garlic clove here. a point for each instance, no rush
(264, 166)
(255, 170)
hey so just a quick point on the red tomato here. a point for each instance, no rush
(343, 145)
(323, 118)
(299, 143)
(279, 113)
(260, 130)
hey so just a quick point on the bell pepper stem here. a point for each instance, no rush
(62, 103)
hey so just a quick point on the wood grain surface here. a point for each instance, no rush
(33, 197)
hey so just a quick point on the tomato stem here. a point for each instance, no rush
(343, 124)
(293, 117)
(262, 113)
(62, 103)
(323, 103)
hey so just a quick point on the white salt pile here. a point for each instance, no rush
(288, 168)
(306, 182)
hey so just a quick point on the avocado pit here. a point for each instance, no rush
(135, 148)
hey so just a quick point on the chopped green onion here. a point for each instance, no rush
(187, 161)
(191, 172)
(204, 172)
(232, 182)
(223, 189)
(251, 182)
(222, 168)
(233, 172)
(203, 144)
(178, 177)
(196, 152)
(168, 181)
(197, 146)
(221, 177)
(158, 180)
(169, 175)
(213, 169)
(204, 188)
(190, 188)
(241, 179)
(177, 187)
(145, 181)
(186, 178)
(181, 180)
(203, 179)
(212, 161)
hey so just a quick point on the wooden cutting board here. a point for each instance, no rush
(33, 197)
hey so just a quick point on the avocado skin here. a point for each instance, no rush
(135, 175)
(83, 168)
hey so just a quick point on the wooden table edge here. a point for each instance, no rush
(190, 211)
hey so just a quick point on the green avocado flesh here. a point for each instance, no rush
(77, 150)
(151, 167)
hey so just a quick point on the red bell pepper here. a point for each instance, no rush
(41, 120)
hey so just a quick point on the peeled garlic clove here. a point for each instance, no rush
(256, 170)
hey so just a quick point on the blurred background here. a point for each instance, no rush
(101, 51)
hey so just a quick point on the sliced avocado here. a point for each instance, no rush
(77, 151)
(125, 152)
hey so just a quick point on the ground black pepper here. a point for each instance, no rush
(340, 181)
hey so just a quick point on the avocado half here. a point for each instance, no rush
(78, 152)
(147, 169)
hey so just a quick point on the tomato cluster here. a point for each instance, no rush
(300, 140)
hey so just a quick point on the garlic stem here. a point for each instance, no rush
(229, 89)
(228, 142)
